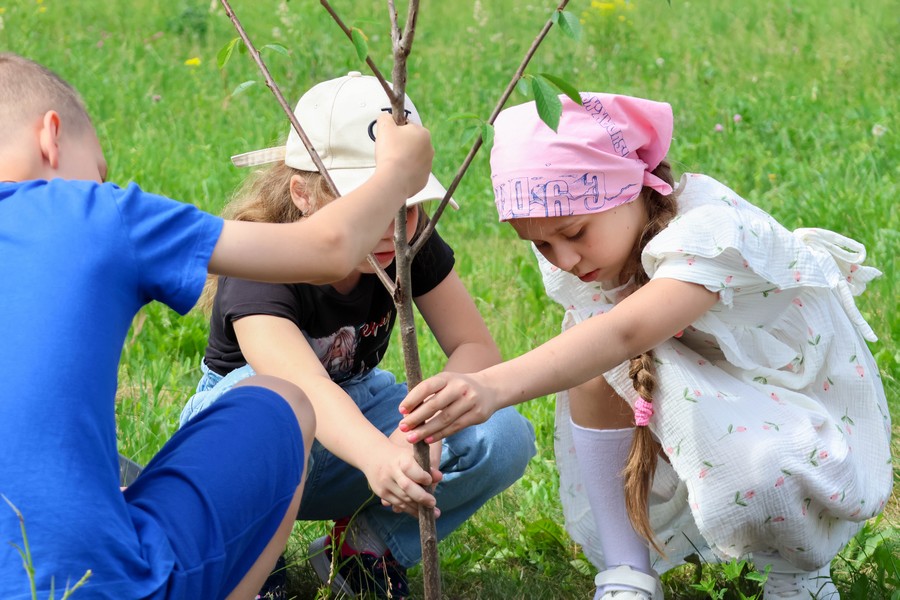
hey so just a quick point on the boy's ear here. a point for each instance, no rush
(298, 194)
(49, 138)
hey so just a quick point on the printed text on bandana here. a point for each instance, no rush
(561, 196)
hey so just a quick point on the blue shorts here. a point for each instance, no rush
(211, 500)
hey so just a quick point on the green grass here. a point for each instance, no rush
(815, 84)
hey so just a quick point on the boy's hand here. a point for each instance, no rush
(396, 478)
(444, 404)
(406, 150)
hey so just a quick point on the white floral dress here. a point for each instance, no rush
(770, 407)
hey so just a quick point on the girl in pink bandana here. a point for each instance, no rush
(714, 388)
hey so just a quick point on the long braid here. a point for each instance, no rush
(641, 464)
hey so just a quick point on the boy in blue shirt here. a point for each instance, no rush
(213, 510)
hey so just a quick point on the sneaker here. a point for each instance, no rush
(275, 587)
(643, 586)
(787, 582)
(357, 573)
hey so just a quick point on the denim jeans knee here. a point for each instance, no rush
(210, 388)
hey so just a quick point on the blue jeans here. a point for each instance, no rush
(478, 463)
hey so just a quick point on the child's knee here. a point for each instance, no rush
(506, 441)
(295, 398)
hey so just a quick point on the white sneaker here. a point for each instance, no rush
(643, 586)
(787, 582)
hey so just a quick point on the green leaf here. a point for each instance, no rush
(487, 135)
(564, 86)
(570, 25)
(549, 106)
(469, 134)
(242, 87)
(555, 17)
(360, 43)
(276, 48)
(461, 116)
(522, 84)
(225, 53)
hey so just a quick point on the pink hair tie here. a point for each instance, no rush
(643, 410)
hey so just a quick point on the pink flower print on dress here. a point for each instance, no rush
(804, 508)
(775, 397)
(705, 469)
(741, 499)
(690, 396)
(848, 421)
(780, 481)
(797, 276)
(798, 302)
(859, 368)
(691, 260)
(595, 297)
(826, 385)
(732, 429)
(853, 269)
(815, 456)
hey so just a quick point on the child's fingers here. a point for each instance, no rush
(419, 394)
(436, 476)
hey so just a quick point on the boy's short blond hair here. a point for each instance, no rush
(28, 90)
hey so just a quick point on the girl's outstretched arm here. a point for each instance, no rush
(444, 404)
(328, 245)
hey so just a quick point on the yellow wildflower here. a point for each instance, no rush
(193, 62)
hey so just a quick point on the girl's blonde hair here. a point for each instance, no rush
(641, 464)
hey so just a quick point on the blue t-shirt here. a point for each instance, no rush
(77, 261)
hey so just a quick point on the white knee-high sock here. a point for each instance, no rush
(601, 455)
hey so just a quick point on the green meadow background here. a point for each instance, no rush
(792, 103)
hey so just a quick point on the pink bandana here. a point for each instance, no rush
(601, 156)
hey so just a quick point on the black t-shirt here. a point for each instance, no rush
(348, 332)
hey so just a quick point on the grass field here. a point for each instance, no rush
(792, 103)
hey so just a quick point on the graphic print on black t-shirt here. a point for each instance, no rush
(336, 352)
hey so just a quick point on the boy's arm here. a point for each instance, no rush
(328, 245)
(648, 317)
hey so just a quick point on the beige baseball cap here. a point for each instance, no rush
(338, 116)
